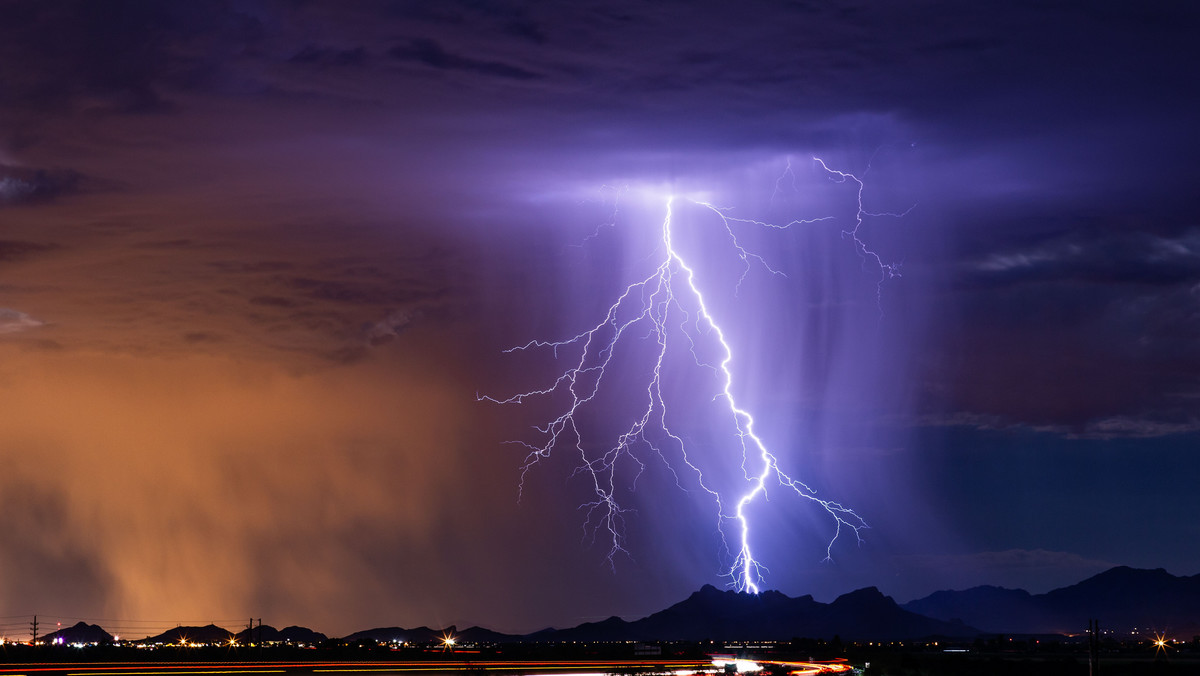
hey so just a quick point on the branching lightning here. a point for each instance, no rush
(666, 307)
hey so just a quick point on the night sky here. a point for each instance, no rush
(257, 260)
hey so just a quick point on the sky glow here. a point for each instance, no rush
(665, 308)
(258, 259)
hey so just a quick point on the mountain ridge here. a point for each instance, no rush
(1123, 598)
(1126, 599)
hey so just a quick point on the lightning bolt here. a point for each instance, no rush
(886, 270)
(660, 307)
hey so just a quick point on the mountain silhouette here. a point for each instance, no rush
(207, 634)
(1122, 598)
(265, 633)
(728, 615)
(426, 635)
(80, 632)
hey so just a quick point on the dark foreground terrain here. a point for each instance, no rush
(997, 655)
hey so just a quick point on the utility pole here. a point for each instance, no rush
(33, 628)
(1093, 647)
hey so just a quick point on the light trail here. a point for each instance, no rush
(749, 666)
(676, 667)
(813, 668)
(667, 308)
(176, 672)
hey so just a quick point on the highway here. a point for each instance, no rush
(508, 667)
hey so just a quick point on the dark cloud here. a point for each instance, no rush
(345, 356)
(43, 344)
(252, 266)
(181, 243)
(329, 56)
(274, 301)
(316, 322)
(202, 337)
(351, 292)
(526, 30)
(430, 53)
(1104, 258)
(117, 59)
(1089, 333)
(1139, 428)
(12, 250)
(116, 56)
(352, 210)
(20, 185)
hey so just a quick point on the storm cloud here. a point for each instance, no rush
(258, 260)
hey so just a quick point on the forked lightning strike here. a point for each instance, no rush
(667, 301)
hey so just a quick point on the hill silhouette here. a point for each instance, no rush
(181, 635)
(421, 635)
(1122, 598)
(728, 615)
(265, 633)
(80, 632)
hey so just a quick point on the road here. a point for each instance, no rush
(305, 668)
